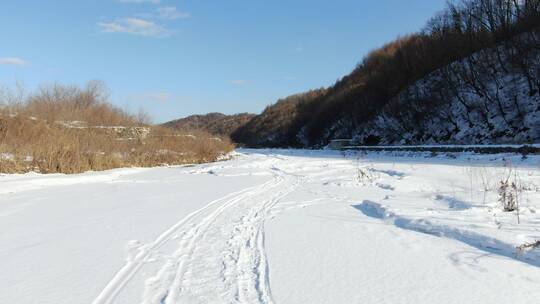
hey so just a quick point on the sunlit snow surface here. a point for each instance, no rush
(274, 226)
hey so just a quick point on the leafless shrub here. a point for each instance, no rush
(510, 191)
(485, 177)
(364, 170)
(71, 130)
(365, 176)
(528, 247)
(507, 196)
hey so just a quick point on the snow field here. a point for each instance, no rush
(274, 226)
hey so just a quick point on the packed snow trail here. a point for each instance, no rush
(131, 266)
(226, 249)
(273, 226)
(223, 243)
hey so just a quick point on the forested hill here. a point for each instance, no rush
(213, 123)
(471, 76)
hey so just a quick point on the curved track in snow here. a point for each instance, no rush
(220, 256)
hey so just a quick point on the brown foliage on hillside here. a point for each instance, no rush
(71, 130)
(213, 123)
(278, 122)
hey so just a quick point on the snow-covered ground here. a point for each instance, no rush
(274, 226)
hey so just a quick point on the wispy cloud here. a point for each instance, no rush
(134, 26)
(153, 23)
(140, 1)
(14, 61)
(171, 13)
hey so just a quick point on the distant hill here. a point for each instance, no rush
(278, 124)
(214, 123)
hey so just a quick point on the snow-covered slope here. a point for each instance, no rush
(482, 99)
(273, 226)
(486, 95)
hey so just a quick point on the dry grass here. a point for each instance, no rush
(37, 133)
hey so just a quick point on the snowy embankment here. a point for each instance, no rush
(274, 226)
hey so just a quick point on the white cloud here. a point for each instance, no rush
(171, 13)
(239, 82)
(134, 26)
(140, 1)
(13, 61)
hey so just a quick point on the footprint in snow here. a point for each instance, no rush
(385, 186)
(392, 173)
(452, 203)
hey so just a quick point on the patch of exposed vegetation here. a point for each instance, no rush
(71, 130)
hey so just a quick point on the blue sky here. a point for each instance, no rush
(174, 58)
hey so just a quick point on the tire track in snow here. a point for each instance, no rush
(258, 283)
(187, 248)
(124, 275)
(223, 257)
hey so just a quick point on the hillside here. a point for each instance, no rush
(277, 124)
(213, 123)
(65, 129)
(471, 76)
